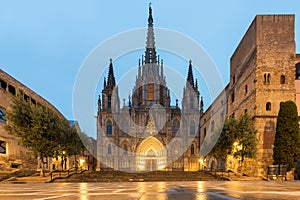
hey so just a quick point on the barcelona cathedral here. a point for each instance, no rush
(149, 134)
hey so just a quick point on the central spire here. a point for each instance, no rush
(150, 54)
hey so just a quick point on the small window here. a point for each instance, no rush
(26, 97)
(192, 150)
(175, 128)
(125, 147)
(192, 128)
(267, 78)
(33, 102)
(108, 127)
(109, 101)
(2, 115)
(2, 147)
(268, 106)
(232, 97)
(14, 165)
(246, 111)
(232, 115)
(246, 89)
(12, 90)
(282, 79)
(3, 85)
(109, 149)
(233, 79)
(204, 133)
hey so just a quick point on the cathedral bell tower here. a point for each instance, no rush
(110, 96)
(190, 102)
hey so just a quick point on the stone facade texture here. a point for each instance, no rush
(16, 156)
(262, 75)
(148, 134)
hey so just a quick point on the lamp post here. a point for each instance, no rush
(63, 159)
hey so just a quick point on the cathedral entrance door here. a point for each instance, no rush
(151, 161)
(151, 164)
(151, 155)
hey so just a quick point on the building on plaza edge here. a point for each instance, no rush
(264, 71)
(135, 137)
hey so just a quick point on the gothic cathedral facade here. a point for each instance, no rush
(149, 134)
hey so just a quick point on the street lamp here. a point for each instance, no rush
(63, 160)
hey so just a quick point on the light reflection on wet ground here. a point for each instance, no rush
(153, 190)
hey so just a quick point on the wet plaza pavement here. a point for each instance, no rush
(153, 190)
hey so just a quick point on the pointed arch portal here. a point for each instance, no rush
(151, 155)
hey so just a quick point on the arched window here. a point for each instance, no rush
(246, 89)
(192, 150)
(282, 79)
(109, 149)
(192, 128)
(125, 147)
(109, 101)
(124, 127)
(269, 78)
(175, 128)
(268, 106)
(108, 127)
(280, 104)
(151, 91)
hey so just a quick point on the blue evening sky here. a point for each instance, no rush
(44, 43)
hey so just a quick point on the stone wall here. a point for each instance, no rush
(262, 75)
(16, 156)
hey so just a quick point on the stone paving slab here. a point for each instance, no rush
(153, 190)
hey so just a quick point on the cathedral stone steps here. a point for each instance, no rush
(118, 176)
